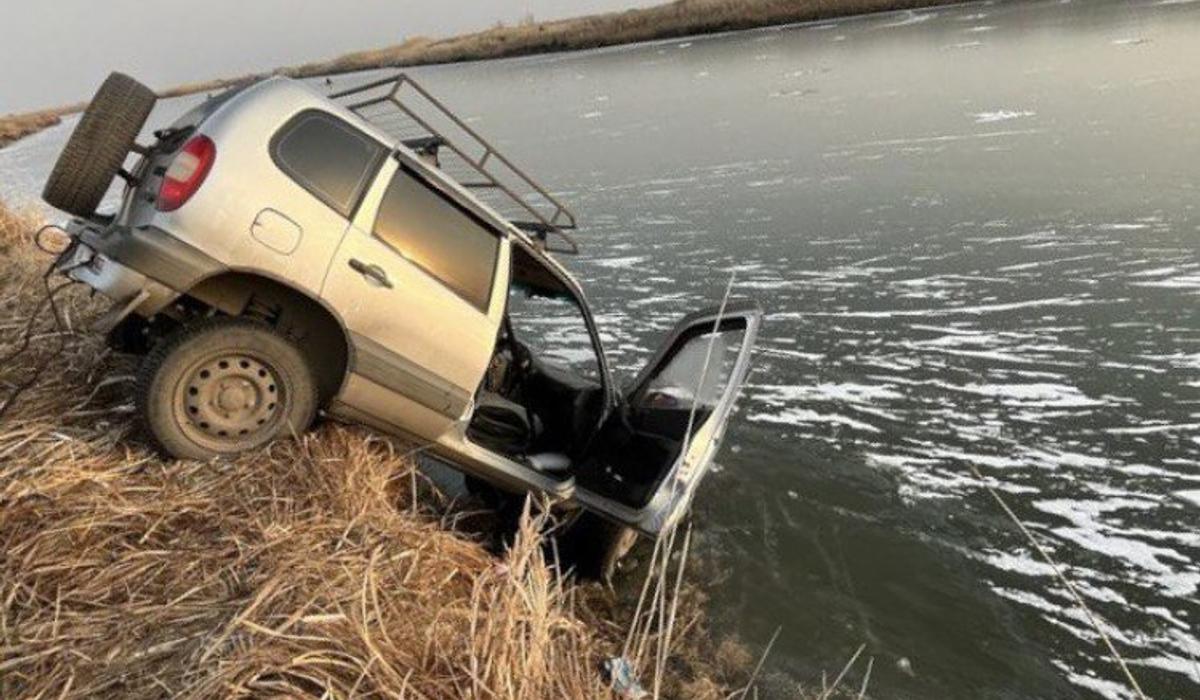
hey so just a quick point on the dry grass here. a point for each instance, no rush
(673, 19)
(325, 567)
(18, 126)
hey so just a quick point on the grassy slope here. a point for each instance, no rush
(325, 567)
(680, 18)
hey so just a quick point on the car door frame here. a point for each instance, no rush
(677, 488)
(406, 416)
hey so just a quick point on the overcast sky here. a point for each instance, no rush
(57, 51)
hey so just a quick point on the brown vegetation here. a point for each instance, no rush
(674, 19)
(18, 126)
(324, 567)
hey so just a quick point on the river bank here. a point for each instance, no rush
(14, 127)
(670, 20)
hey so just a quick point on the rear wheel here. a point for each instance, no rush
(97, 147)
(223, 386)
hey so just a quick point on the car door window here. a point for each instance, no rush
(436, 235)
(331, 159)
(698, 372)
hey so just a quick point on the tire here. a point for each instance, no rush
(222, 386)
(594, 547)
(98, 146)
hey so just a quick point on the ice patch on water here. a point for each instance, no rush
(901, 462)
(1191, 281)
(986, 460)
(1191, 496)
(1179, 360)
(945, 138)
(802, 416)
(976, 310)
(619, 263)
(1089, 530)
(1100, 686)
(1001, 115)
(1041, 394)
(766, 183)
(848, 392)
(1028, 566)
(1123, 227)
(1154, 428)
(792, 354)
(910, 18)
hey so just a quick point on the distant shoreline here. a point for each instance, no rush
(676, 19)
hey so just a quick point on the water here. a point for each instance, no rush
(975, 234)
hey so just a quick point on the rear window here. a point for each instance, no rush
(328, 157)
(437, 236)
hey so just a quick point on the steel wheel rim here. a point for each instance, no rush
(230, 399)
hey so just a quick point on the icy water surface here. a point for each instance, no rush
(975, 234)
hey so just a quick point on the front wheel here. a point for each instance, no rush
(223, 386)
(594, 547)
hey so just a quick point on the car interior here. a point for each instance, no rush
(544, 411)
(531, 407)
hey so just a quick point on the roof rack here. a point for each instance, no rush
(402, 108)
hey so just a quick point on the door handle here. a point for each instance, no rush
(374, 273)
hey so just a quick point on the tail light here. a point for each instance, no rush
(186, 173)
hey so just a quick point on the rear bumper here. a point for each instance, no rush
(140, 270)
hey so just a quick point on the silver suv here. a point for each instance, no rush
(279, 253)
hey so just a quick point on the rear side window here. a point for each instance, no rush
(328, 157)
(437, 236)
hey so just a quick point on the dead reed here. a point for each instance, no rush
(18, 126)
(323, 567)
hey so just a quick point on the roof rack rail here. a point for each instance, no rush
(420, 121)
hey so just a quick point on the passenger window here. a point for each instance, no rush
(328, 157)
(434, 234)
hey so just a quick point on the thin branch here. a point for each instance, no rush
(1058, 572)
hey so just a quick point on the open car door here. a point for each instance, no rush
(650, 455)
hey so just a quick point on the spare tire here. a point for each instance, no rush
(98, 146)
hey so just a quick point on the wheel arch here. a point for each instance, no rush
(318, 330)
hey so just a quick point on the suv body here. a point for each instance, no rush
(393, 280)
